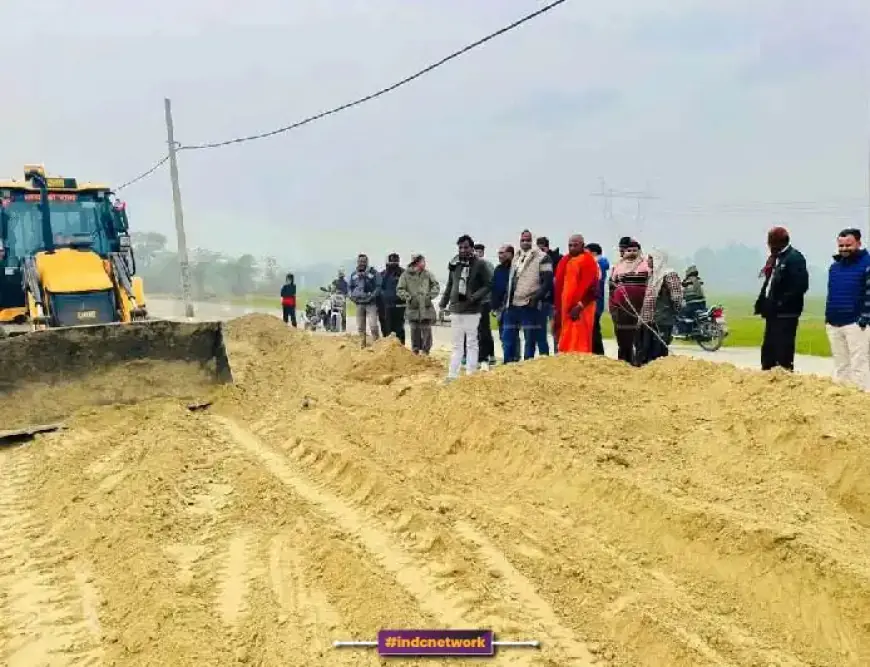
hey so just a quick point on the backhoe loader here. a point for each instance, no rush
(71, 304)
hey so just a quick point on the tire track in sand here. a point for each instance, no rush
(419, 580)
(305, 606)
(541, 616)
(235, 579)
(49, 604)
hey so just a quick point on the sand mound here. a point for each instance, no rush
(386, 361)
(684, 514)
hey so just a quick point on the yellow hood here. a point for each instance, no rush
(68, 270)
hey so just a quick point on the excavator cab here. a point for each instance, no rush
(66, 255)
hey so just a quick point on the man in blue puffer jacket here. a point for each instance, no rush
(847, 310)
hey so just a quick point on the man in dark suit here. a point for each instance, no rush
(781, 300)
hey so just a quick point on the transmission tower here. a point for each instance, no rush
(608, 194)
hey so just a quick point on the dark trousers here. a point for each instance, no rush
(625, 339)
(484, 336)
(546, 315)
(528, 320)
(509, 334)
(290, 314)
(382, 319)
(651, 343)
(597, 339)
(421, 337)
(394, 322)
(777, 347)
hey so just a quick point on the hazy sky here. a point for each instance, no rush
(721, 107)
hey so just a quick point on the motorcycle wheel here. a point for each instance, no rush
(711, 337)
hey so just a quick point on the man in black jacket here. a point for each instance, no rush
(547, 308)
(781, 300)
(393, 308)
(468, 286)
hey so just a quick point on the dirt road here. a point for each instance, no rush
(686, 514)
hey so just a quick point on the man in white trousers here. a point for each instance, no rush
(847, 310)
(468, 284)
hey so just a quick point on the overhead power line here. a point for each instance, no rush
(351, 104)
(382, 91)
(144, 174)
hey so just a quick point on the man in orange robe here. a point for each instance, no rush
(575, 292)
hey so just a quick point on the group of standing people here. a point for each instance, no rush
(533, 290)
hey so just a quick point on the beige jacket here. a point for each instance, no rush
(526, 274)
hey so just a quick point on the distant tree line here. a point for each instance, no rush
(214, 275)
(733, 269)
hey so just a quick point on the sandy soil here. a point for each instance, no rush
(687, 514)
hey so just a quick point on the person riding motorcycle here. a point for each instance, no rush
(340, 286)
(340, 283)
(695, 300)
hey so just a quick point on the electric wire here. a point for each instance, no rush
(382, 91)
(144, 174)
(351, 104)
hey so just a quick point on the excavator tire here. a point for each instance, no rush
(45, 376)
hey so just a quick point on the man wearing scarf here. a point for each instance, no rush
(781, 300)
(468, 286)
(576, 292)
(662, 302)
(628, 283)
(393, 320)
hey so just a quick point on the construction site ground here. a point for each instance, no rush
(686, 514)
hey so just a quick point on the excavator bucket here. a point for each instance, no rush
(45, 376)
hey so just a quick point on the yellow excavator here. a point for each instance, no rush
(70, 300)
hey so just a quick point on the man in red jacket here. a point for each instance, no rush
(288, 299)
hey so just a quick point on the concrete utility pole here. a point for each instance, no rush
(183, 260)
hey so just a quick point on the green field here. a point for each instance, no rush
(745, 329)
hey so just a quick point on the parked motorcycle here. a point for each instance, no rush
(708, 328)
(312, 314)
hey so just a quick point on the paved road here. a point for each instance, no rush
(742, 357)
